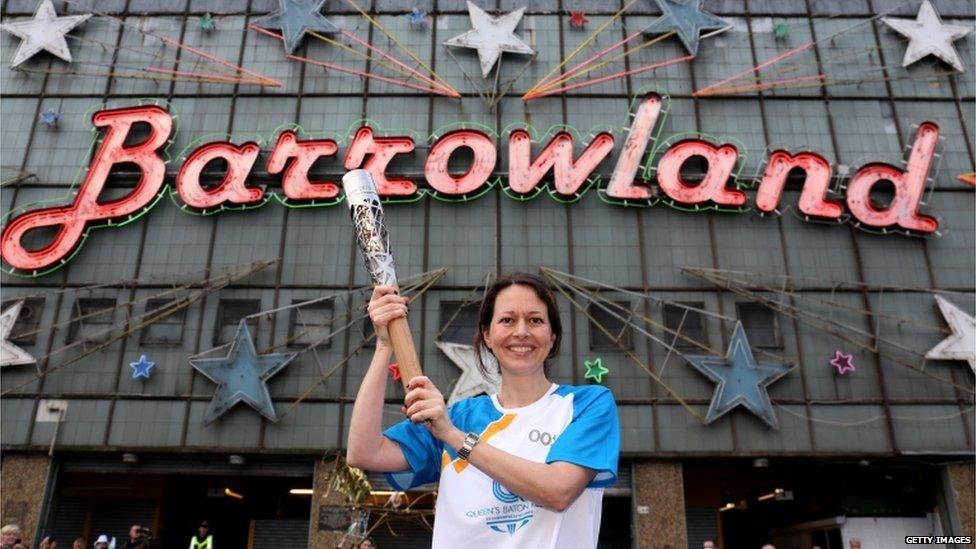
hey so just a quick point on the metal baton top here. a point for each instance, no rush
(367, 219)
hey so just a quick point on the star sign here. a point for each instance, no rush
(928, 35)
(740, 380)
(843, 363)
(44, 32)
(471, 383)
(142, 367)
(50, 118)
(595, 370)
(294, 19)
(10, 354)
(491, 36)
(394, 371)
(961, 345)
(686, 18)
(241, 376)
(578, 19)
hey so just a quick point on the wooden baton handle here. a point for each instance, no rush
(406, 353)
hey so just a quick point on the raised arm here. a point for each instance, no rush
(366, 446)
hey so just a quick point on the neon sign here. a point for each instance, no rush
(630, 183)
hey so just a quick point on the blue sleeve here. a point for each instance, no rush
(592, 439)
(422, 451)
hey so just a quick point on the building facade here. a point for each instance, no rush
(654, 268)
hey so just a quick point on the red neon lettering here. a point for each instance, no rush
(381, 151)
(232, 189)
(621, 184)
(440, 178)
(73, 220)
(909, 186)
(721, 161)
(569, 175)
(813, 201)
(295, 182)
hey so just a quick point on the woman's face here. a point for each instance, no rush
(520, 335)
(10, 537)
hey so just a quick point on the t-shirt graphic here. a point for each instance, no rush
(577, 425)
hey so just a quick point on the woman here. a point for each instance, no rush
(522, 468)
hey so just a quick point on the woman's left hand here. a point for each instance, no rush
(424, 402)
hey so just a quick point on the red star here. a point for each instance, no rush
(578, 19)
(395, 371)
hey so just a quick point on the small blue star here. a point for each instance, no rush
(686, 18)
(740, 379)
(295, 18)
(142, 367)
(241, 376)
(418, 19)
(50, 118)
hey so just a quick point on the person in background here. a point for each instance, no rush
(9, 536)
(48, 543)
(366, 544)
(79, 543)
(769, 546)
(101, 542)
(203, 539)
(133, 536)
(709, 544)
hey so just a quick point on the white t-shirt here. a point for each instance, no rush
(577, 425)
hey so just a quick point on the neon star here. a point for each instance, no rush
(578, 19)
(595, 370)
(843, 363)
(394, 371)
(142, 367)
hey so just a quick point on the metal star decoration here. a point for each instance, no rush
(418, 19)
(578, 19)
(142, 367)
(50, 118)
(491, 36)
(471, 383)
(10, 354)
(44, 32)
(295, 18)
(740, 380)
(961, 345)
(928, 35)
(206, 22)
(241, 376)
(595, 370)
(686, 18)
(843, 363)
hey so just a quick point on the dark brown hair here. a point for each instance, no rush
(487, 311)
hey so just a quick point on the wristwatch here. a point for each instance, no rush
(469, 442)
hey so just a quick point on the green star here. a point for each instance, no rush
(595, 370)
(206, 22)
(781, 30)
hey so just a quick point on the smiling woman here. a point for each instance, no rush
(525, 467)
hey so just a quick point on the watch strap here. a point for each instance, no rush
(470, 440)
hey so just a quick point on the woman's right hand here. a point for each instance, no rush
(385, 305)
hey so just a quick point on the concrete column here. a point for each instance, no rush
(24, 477)
(961, 499)
(325, 503)
(659, 486)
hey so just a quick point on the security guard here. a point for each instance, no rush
(203, 540)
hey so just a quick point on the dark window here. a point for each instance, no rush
(24, 331)
(229, 314)
(165, 331)
(92, 319)
(760, 324)
(311, 324)
(463, 325)
(689, 323)
(611, 320)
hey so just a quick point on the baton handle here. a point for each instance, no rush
(406, 353)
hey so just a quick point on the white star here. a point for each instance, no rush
(491, 36)
(471, 383)
(44, 32)
(10, 354)
(961, 345)
(929, 36)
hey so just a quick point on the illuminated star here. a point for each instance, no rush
(418, 19)
(10, 354)
(740, 380)
(595, 370)
(578, 19)
(206, 22)
(44, 32)
(142, 367)
(843, 363)
(686, 18)
(50, 118)
(471, 383)
(928, 35)
(491, 36)
(241, 376)
(961, 345)
(394, 371)
(295, 18)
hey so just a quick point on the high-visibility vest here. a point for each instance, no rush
(205, 544)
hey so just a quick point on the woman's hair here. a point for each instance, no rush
(10, 528)
(487, 311)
